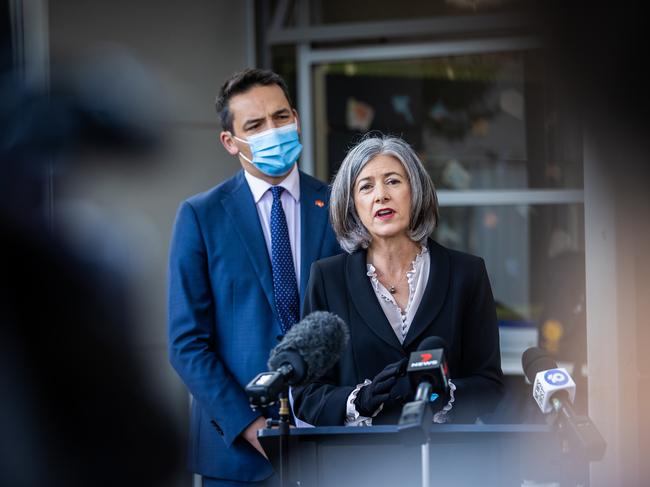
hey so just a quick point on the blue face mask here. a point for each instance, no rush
(274, 150)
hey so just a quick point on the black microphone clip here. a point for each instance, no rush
(267, 387)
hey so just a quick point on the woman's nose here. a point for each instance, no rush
(381, 195)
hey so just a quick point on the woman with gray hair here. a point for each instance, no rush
(395, 287)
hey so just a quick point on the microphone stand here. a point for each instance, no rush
(284, 439)
(422, 394)
(283, 427)
(414, 426)
(426, 462)
(581, 441)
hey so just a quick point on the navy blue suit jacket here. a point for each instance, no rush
(222, 317)
(457, 306)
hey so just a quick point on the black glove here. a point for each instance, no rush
(402, 391)
(373, 395)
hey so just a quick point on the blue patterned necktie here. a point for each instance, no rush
(285, 286)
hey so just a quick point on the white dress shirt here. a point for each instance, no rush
(290, 199)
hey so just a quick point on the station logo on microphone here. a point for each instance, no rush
(548, 382)
(425, 360)
(556, 377)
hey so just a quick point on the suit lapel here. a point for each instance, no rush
(240, 206)
(434, 293)
(365, 300)
(313, 221)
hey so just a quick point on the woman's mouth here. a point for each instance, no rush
(385, 213)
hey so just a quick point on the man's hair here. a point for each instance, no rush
(241, 82)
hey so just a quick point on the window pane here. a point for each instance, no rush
(484, 121)
(535, 259)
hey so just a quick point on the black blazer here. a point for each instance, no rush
(457, 306)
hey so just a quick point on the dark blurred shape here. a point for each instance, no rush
(41, 130)
(563, 328)
(76, 409)
(5, 38)
(599, 50)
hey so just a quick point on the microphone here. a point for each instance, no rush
(308, 350)
(428, 369)
(554, 392)
(548, 380)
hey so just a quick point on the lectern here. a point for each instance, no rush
(459, 455)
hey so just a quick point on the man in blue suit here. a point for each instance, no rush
(239, 263)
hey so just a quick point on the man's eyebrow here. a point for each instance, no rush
(281, 111)
(252, 121)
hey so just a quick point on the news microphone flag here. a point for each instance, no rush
(552, 386)
(549, 382)
(429, 364)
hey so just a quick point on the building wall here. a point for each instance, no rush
(618, 284)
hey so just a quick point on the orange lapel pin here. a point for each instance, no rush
(319, 203)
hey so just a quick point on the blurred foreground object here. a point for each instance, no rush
(75, 409)
(102, 108)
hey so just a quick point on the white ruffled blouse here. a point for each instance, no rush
(400, 319)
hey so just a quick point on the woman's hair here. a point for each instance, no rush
(346, 223)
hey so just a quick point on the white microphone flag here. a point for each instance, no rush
(547, 383)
